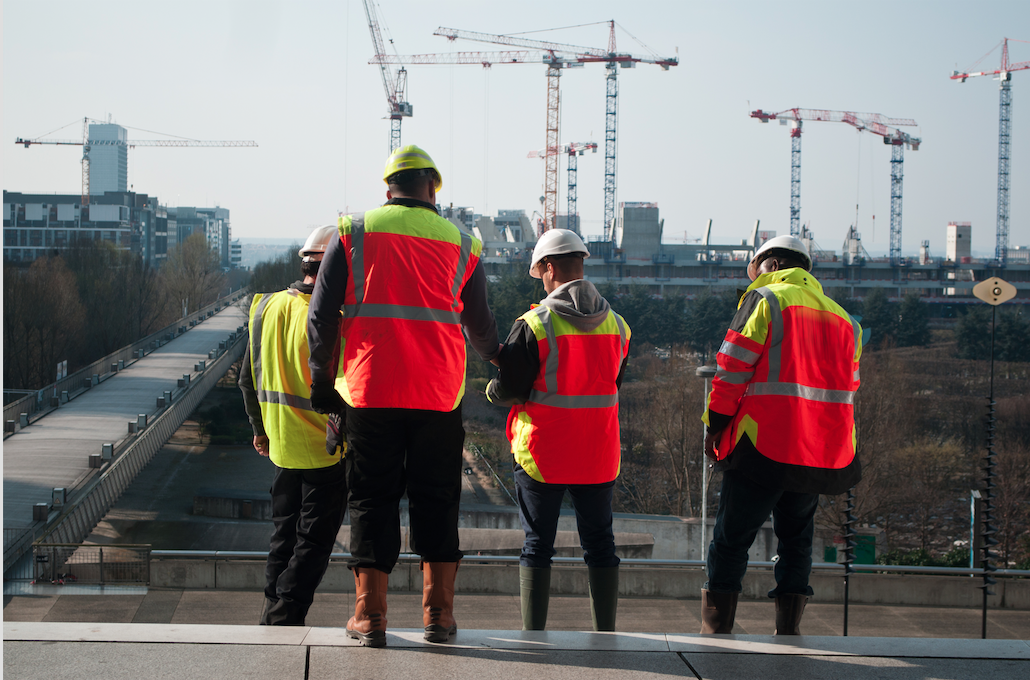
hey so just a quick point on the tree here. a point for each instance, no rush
(708, 317)
(880, 316)
(512, 296)
(192, 273)
(277, 273)
(1010, 332)
(973, 333)
(42, 318)
(913, 329)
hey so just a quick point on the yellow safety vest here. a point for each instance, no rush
(279, 362)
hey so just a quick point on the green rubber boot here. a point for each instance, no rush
(535, 589)
(604, 596)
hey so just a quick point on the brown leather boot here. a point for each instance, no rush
(789, 609)
(438, 600)
(368, 625)
(717, 612)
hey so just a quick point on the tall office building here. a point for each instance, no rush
(960, 235)
(108, 159)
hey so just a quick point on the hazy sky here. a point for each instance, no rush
(294, 77)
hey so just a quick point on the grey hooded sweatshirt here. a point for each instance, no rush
(577, 302)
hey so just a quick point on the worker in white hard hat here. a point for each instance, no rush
(560, 372)
(781, 426)
(309, 489)
(413, 288)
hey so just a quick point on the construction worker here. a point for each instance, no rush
(781, 425)
(560, 370)
(309, 489)
(408, 281)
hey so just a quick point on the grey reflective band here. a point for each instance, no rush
(739, 353)
(379, 311)
(551, 365)
(463, 261)
(357, 255)
(802, 391)
(775, 332)
(855, 375)
(284, 399)
(622, 331)
(574, 401)
(858, 333)
(255, 339)
(734, 378)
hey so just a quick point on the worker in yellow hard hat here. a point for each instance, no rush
(409, 281)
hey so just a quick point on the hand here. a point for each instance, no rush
(711, 437)
(261, 444)
(325, 399)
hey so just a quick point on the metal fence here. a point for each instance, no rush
(40, 400)
(91, 564)
(94, 502)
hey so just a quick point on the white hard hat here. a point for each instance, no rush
(317, 242)
(788, 243)
(556, 242)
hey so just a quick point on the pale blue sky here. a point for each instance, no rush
(294, 77)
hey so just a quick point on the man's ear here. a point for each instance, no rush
(388, 195)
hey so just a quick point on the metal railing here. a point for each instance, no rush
(90, 564)
(93, 503)
(39, 401)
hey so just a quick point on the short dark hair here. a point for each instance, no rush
(567, 264)
(787, 259)
(410, 182)
(310, 268)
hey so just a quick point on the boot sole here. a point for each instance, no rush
(376, 638)
(435, 633)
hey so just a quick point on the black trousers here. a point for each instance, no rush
(307, 511)
(396, 451)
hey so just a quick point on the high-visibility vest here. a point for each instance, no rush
(789, 377)
(568, 430)
(279, 363)
(403, 346)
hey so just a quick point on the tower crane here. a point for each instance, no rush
(397, 108)
(573, 150)
(870, 122)
(86, 143)
(579, 56)
(1003, 74)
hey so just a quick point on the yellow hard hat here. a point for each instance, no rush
(410, 157)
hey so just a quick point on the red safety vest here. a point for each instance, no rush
(789, 378)
(403, 346)
(568, 431)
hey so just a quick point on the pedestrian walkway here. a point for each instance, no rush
(52, 651)
(54, 451)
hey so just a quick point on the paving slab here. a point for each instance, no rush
(850, 646)
(735, 666)
(95, 608)
(121, 661)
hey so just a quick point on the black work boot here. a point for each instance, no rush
(604, 596)
(717, 612)
(789, 609)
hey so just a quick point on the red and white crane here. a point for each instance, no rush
(1003, 74)
(564, 56)
(875, 123)
(573, 150)
(395, 86)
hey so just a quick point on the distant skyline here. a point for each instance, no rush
(294, 77)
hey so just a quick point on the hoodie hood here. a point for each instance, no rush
(579, 303)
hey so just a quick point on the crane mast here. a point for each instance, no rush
(395, 87)
(869, 122)
(573, 150)
(1004, 75)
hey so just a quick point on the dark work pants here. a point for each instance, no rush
(393, 451)
(744, 506)
(307, 511)
(539, 508)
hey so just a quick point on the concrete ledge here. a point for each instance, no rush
(805, 645)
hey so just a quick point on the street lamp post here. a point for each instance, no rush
(706, 372)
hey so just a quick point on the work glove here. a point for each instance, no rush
(325, 399)
(336, 435)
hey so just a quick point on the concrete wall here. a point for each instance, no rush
(892, 589)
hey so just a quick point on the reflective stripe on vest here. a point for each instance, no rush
(263, 395)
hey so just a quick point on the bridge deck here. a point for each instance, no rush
(54, 451)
